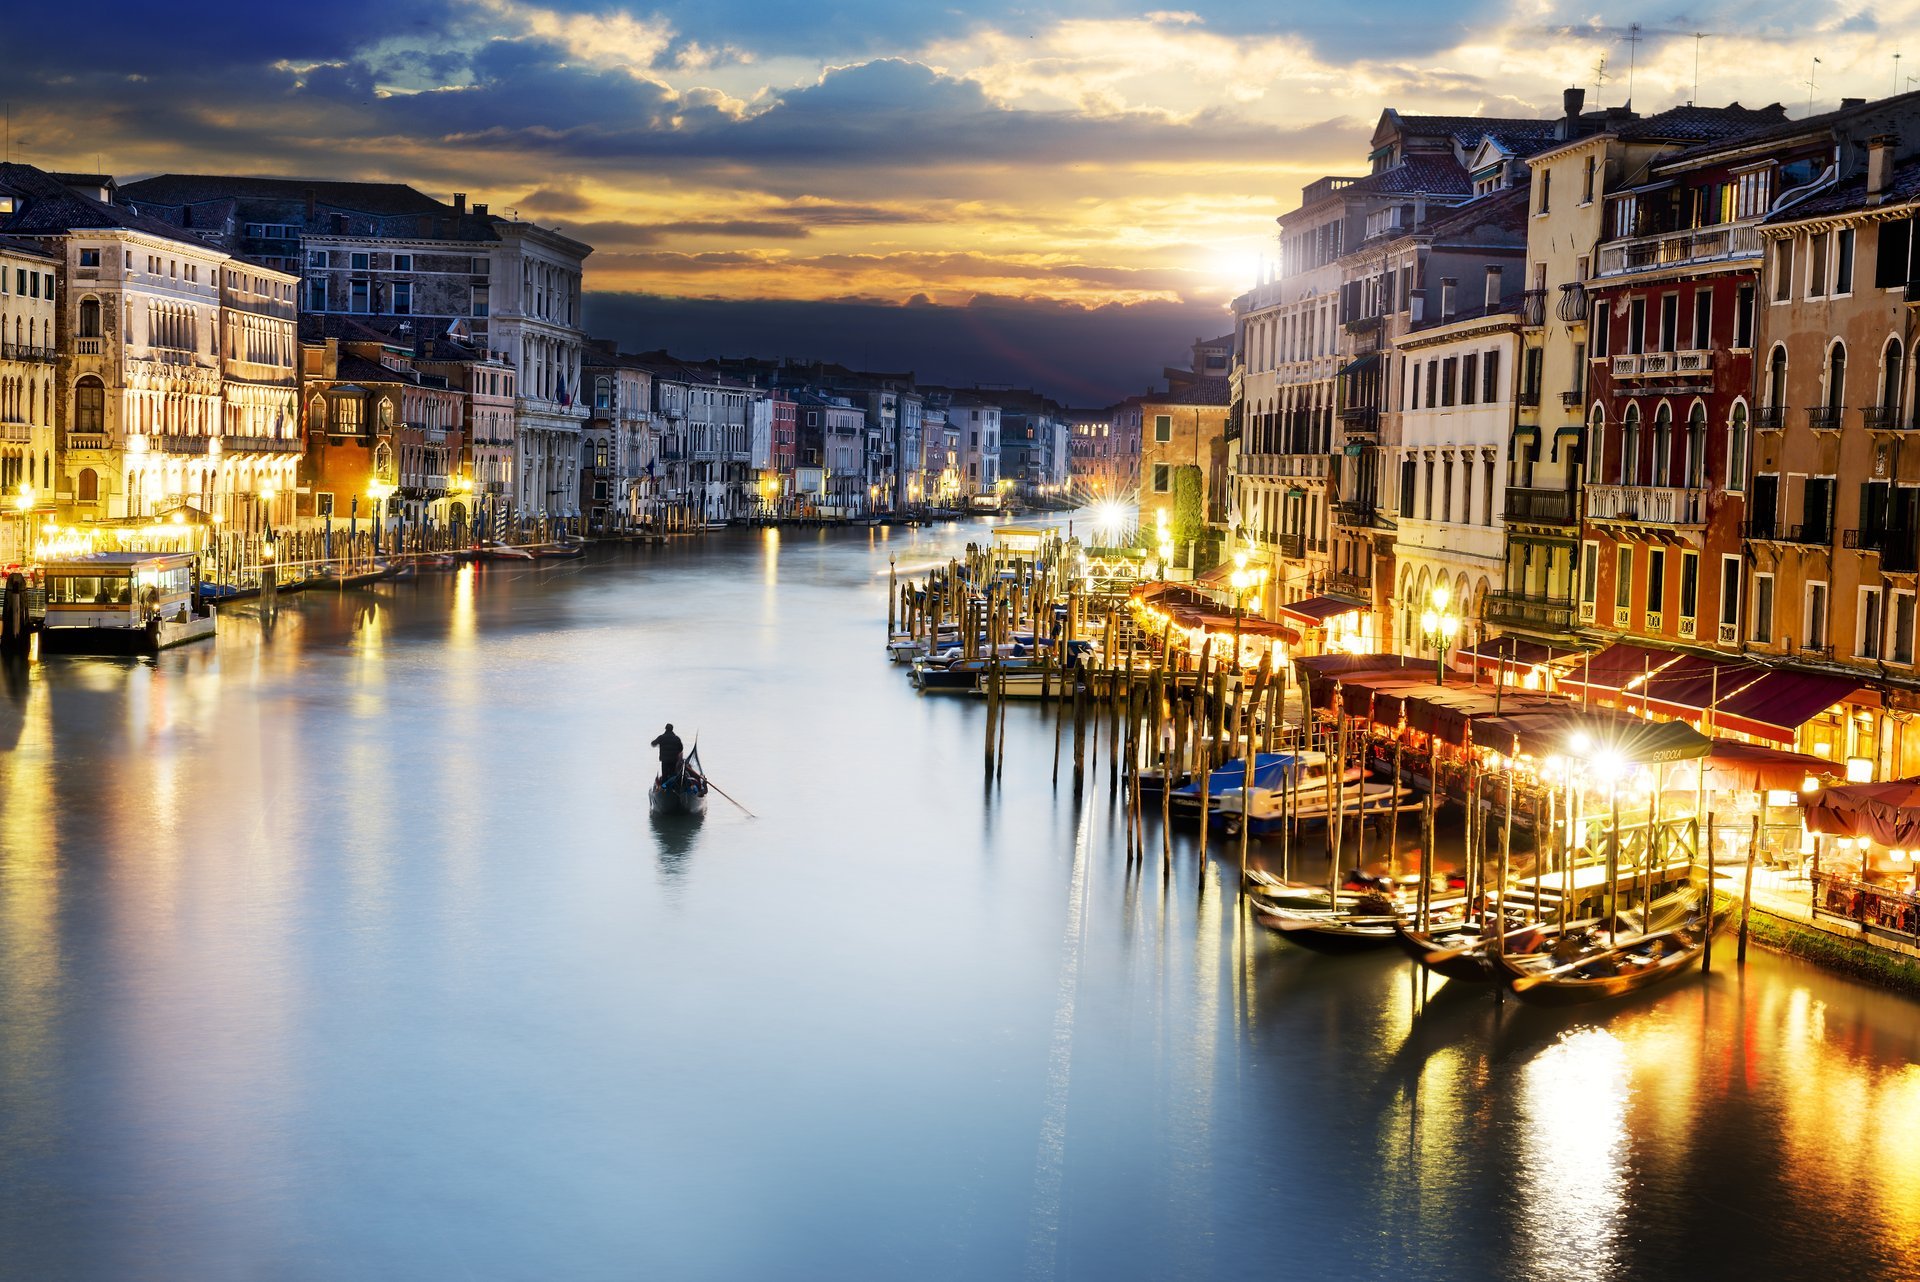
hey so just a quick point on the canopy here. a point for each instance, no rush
(1735, 766)
(1359, 364)
(1608, 672)
(1515, 654)
(1888, 813)
(1780, 702)
(1269, 768)
(1189, 609)
(1316, 610)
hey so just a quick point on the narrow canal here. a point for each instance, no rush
(346, 949)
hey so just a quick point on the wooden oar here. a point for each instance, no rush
(716, 787)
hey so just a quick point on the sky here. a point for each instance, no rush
(1064, 194)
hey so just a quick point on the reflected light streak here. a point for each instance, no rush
(1573, 1150)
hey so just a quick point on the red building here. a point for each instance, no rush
(377, 429)
(1669, 421)
(785, 437)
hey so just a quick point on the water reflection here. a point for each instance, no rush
(673, 841)
(1572, 1170)
(310, 940)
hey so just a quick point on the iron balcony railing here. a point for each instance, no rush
(1573, 303)
(1551, 507)
(1884, 418)
(175, 443)
(1770, 418)
(25, 352)
(1899, 549)
(1647, 504)
(1362, 417)
(1359, 585)
(1291, 546)
(1574, 398)
(1533, 307)
(1815, 535)
(1528, 610)
(1825, 418)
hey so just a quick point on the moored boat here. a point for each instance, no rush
(1586, 967)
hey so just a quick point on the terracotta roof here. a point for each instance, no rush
(1847, 197)
(48, 206)
(1786, 129)
(366, 198)
(1702, 124)
(1203, 391)
(1417, 174)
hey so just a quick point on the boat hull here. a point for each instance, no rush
(676, 801)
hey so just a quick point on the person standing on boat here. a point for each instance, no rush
(669, 746)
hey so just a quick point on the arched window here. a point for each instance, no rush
(1777, 380)
(1696, 463)
(1891, 366)
(1737, 448)
(87, 486)
(1836, 380)
(1663, 444)
(90, 405)
(89, 318)
(1628, 472)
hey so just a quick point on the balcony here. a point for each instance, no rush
(1573, 399)
(86, 440)
(16, 433)
(234, 444)
(1669, 505)
(435, 482)
(1770, 418)
(1884, 418)
(1899, 549)
(1300, 465)
(1773, 532)
(1529, 397)
(1364, 324)
(1825, 418)
(180, 444)
(1542, 507)
(1291, 546)
(1526, 610)
(1533, 307)
(87, 346)
(1679, 249)
(1624, 366)
(1364, 418)
(1360, 585)
(1572, 307)
(1357, 512)
(24, 352)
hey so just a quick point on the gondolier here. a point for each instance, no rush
(670, 748)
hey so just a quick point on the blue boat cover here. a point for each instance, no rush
(1268, 770)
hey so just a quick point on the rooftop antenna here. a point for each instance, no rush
(1599, 78)
(1633, 56)
(1698, 36)
(1896, 71)
(1812, 72)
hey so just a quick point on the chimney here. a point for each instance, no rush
(313, 206)
(1571, 102)
(1848, 104)
(1880, 150)
(1494, 291)
(459, 204)
(186, 215)
(1447, 291)
(479, 210)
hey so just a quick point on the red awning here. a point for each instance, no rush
(1316, 610)
(1780, 702)
(1609, 671)
(1733, 766)
(1889, 813)
(1515, 654)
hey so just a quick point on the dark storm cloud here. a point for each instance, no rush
(1079, 355)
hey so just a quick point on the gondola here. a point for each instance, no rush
(1562, 977)
(684, 794)
(1458, 950)
(1369, 924)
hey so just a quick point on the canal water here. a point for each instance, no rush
(346, 949)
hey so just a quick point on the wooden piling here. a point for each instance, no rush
(1713, 900)
(1746, 894)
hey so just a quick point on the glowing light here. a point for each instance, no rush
(1809, 785)
(26, 499)
(1859, 770)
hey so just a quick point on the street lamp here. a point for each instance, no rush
(1440, 626)
(378, 492)
(23, 503)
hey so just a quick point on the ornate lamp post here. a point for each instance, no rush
(377, 493)
(1440, 626)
